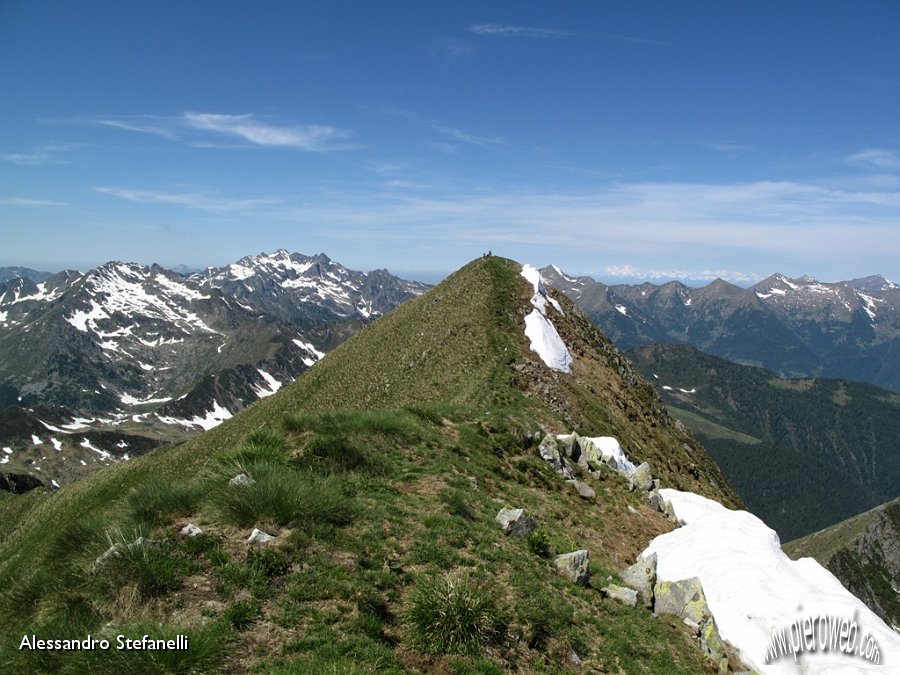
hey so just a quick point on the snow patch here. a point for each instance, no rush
(56, 444)
(274, 385)
(540, 331)
(128, 399)
(871, 309)
(35, 440)
(77, 423)
(754, 589)
(213, 418)
(609, 447)
(103, 453)
(622, 309)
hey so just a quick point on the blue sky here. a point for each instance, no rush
(620, 139)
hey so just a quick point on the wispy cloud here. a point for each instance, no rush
(313, 137)
(466, 137)
(43, 154)
(632, 272)
(246, 130)
(618, 37)
(726, 146)
(668, 221)
(204, 201)
(508, 30)
(147, 124)
(24, 201)
(449, 50)
(876, 158)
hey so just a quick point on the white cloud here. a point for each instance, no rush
(23, 201)
(876, 158)
(203, 201)
(313, 137)
(43, 154)
(147, 124)
(245, 130)
(466, 137)
(506, 30)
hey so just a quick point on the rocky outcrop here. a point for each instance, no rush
(574, 566)
(642, 578)
(19, 483)
(515, 522)
(686, 600)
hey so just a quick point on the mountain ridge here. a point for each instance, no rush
(793, 327)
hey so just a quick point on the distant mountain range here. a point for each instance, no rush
(803, 454)
(148, 352)
(792, 327)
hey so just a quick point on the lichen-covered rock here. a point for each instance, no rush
(627, 596)
(515, 522)
(711, 642)
(642, 479)
(642, 578)
(241, 480)
(683, 598)
(657, 503)
(574, 566)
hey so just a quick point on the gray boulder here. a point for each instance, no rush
(574, 566)
(684, 599)
(550, 452)
(642, 578)
(642, 479)
(627, 596)
(515, 522)
(191, 530)
(585, 491)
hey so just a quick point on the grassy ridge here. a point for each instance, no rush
(380, 471)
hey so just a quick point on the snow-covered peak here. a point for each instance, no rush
(539, 329)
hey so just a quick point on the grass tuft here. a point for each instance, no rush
(453, 616)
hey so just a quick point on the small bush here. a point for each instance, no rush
(264, 445)
(158, 501)
(268, 562)
(456, 503)
(280, 495)
(453, 616)
(330, 452)
(539, 543)
(242, 613)
(150, 566)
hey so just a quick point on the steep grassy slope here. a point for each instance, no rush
(804, 454)
(379, 471)
(864, 553)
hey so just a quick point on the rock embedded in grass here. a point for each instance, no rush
(515, 522)
(574, 566)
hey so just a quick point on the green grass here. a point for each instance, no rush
(449, 615)
(157, 502)
(706, 427)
